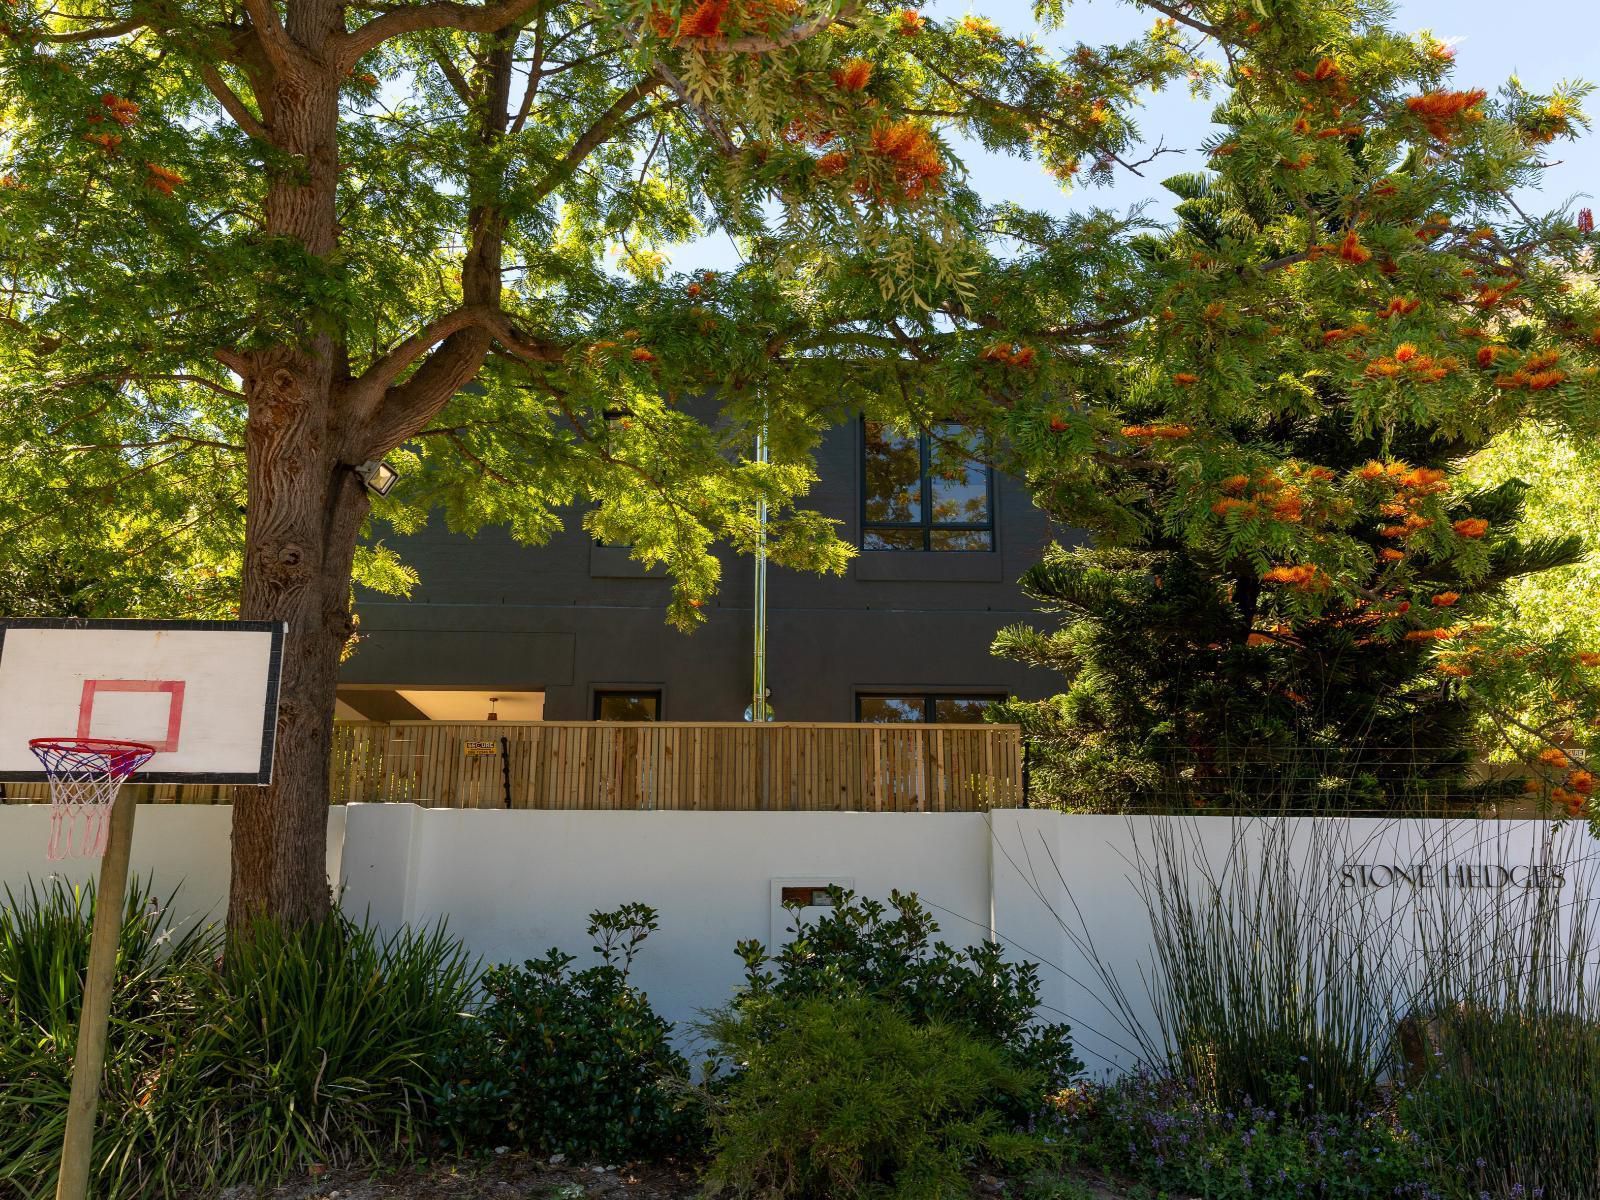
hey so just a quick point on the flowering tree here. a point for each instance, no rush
(249, 247)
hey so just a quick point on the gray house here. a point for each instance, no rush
(574, 630)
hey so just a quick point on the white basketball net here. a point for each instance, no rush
(85, 776)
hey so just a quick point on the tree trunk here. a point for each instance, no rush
(305, 503)
(300, 541)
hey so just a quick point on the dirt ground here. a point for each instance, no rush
(519, 1177)
(505, 1177)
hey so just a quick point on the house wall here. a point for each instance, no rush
(570, 616)
(1055, 889)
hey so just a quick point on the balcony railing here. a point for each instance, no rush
(660, 765)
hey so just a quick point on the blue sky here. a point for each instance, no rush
(1540, 41)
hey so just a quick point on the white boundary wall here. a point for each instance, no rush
(1059, 890)
(184, 848)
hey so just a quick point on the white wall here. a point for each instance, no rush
(513, 883)
(186, 847)
(1058, 890)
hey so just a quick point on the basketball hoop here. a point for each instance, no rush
(85, 776)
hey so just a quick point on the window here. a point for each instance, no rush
(925, 491)
(627, 706)
(888, 708)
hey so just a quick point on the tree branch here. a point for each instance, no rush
(97, 33)
(233, 104)
(597, 133)
(1183, 18)
(385, 369)
(413, 18)
(276, 43)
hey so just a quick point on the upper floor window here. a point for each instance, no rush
(925, 491)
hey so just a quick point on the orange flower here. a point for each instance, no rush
(1589, 658)
(1157, 431)
(1391, 555)
(832, 164)
(1430, 635)
(854, 75)
(1234, 485)
(640, 354)
(1303, 576)
(693, 290)
(123, 112)
(912, 152)
(1230, 504)
(1471, 527)
(1352, 251)
(704, 21)
(1423, 479)
(911, 22)
(1399, 306)
(1371, 471)
(1442, 111)
(1446, 599)
(1555, 758)
(162, 179)
(1405, 352)
(1184, 379)
(1581, 782)
(1487, 355)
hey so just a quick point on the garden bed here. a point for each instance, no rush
(505, 1177)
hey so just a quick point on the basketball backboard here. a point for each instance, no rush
(204, 694)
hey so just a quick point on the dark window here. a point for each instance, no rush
(925, 491)
(627, 706)
(889, 708)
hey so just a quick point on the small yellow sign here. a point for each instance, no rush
(479, 749)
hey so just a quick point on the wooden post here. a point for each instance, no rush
(88, 1061)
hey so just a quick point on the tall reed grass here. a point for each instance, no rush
(1470, 1014)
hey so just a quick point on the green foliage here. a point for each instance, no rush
(318, 1046)
(1169, 1135)
(847, 1097)
(1265, 971)
(861, 947)
(576, 1062)
(44, 950)
(300, 1049)
(1503, 1045)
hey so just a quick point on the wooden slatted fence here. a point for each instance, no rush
(663, 765)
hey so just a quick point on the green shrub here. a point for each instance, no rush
(862, 948)
(570, 1061)
(319, 1046)
(849, 1097)
(1262, 965)
(1173, 1136)
(302, 1048)
(1504, 1047)
(44, 952)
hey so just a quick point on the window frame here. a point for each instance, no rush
(926, 524)
(598, 694)
(929, 700)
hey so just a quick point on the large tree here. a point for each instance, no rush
(248, 247)
(292, 233)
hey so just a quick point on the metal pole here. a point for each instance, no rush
(77, 1147)
(758, 700)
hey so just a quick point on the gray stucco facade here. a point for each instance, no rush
(571, 617)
